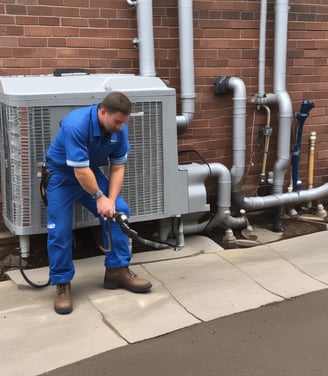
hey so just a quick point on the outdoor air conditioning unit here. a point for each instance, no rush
(31, 108)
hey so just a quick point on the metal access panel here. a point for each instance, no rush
(31, 108)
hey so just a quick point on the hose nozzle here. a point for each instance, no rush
(120, 218)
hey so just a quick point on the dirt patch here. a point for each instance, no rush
(85, 244)
(292, 227)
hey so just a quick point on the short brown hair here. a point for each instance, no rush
(117, 102)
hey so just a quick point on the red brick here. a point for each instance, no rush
(16, 9)
(32, 42)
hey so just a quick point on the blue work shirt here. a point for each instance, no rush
(80, 143)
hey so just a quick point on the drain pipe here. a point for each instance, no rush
(198, 174)
(186, 55)
(280, 96)
(263, 21)
(145, 40)
(221, 86)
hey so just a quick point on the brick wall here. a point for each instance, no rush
(37, 36)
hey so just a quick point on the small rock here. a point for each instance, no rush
(11, 260)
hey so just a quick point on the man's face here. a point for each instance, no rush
(112, 122)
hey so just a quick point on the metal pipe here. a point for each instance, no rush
(262, 37)
(280, 45)
(223, 215)
(145, 41)
(266, 135)
(280, 96)
(186, 55)
(287, 198)
(221, 86)
(283, 149)
(313, 137)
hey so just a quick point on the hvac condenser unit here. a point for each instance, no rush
(31, 108)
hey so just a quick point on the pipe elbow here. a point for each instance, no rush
(234, 222)
(284, 104)
(229, 221)
(223, 84)
(184, 120)
(239, 88)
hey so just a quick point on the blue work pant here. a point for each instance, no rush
(63, 191)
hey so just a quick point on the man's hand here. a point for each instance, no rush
(105, 207)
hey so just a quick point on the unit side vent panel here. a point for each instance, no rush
(15, 154)
(39, 120)
(143, 186)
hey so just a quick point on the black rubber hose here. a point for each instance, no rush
(32, 284)
(122, 220)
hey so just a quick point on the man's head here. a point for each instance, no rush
(114, 111)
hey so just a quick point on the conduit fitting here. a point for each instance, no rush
(321, 212)
(132, 2)
(221, 85)
(229, 236)
(198, 174)
(234, 222)
(135, 42)
(184, 120)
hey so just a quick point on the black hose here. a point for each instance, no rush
(149, 243)
(122, 220)
(32, 284)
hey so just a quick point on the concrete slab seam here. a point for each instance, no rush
(167, 259)
(250, 277)
(105, 321)
(171, 295)
(298, 268)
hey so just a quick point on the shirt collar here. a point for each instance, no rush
(96, 131)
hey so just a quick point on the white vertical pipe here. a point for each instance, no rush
(186, 54)
(145, 38)
(280, 45)
(262, 44)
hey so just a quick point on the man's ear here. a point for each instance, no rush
(102, 111)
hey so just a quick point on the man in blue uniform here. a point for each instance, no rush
(89, 137)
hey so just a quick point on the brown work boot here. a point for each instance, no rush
(126, 279)
(63, 302)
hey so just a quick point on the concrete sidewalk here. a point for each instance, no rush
(202, 282)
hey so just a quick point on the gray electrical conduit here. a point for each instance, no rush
(186, 55)
(262, 44)
(145, 40)
(222, 86)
